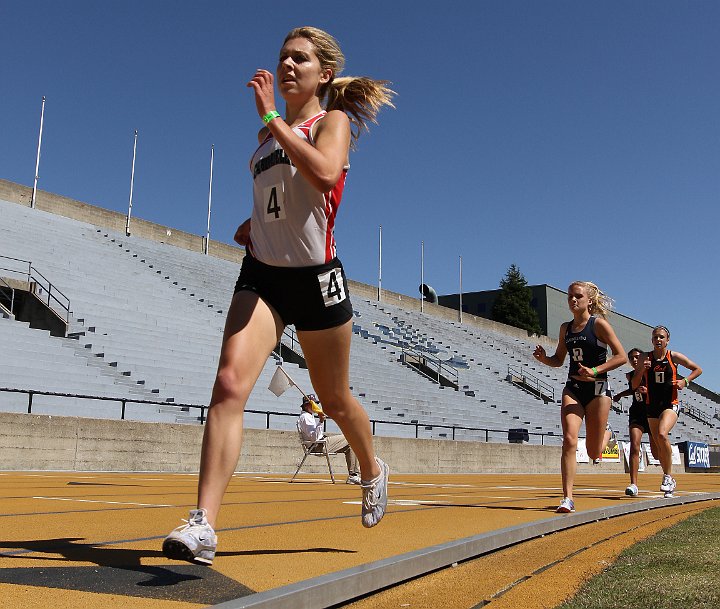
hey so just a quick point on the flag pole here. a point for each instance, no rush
(380, 265)
(422, 275)
(132, 183)
(37, 158)
(461, 311)
(207, 234)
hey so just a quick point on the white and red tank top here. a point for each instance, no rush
(292, 223)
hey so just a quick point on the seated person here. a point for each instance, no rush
(311, 430)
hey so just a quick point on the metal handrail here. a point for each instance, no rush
(532, 381)
(290, 333)
(12, 294)
(448, 372)
(203, 409)
(696, 413)
(52, 291)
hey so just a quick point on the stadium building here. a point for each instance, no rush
(550, 303)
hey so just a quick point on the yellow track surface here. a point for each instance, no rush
(86, 540)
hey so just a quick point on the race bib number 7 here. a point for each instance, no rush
(332, 287)
(274, 199)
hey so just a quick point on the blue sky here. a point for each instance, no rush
(578, 140)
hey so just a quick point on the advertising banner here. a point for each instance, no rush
(698, 455)
(611, 452)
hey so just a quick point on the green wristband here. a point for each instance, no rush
(270, 116)
(595, 372)
(687, 382)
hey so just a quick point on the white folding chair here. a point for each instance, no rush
(317, 448)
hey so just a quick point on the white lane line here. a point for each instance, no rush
(479, 496)
(58, 476)
(104, 502)
(392, 482)
(432, 485)
(287, 480)
(405, 502)
(525, 488)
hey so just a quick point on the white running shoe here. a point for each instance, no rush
(668, 495)
(566, 506)
(668, 484)
(375, 496)
(632, 490)
(353, 479)
(194, 542)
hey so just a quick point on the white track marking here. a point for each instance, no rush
(405, 502)
(104, 502)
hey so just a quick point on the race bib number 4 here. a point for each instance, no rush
(274, 198)
(332, 287)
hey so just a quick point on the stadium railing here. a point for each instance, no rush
(7, 296)
(543, 390)
(53, 298)
(124, 401)
(430, 367)
(696, 413)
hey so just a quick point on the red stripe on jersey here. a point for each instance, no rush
(332, 203)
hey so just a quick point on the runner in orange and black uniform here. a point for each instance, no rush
(637, 423)
(657, 370)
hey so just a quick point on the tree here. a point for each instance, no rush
(513, 303)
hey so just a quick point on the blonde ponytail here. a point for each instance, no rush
(360, 98)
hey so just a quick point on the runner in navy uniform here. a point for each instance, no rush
(637, 423)
(290, 274)
(586, 394)
(657, 370)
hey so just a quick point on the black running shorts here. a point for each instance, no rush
(586, 391)
(655, 410)
(310, 297)
(637, 417)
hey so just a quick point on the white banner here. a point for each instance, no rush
(581, 455)
(626, 452)
(675, 455)
(648, 454)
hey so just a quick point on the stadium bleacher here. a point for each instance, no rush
(147, 320)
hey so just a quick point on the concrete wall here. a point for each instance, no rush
(41, 442)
